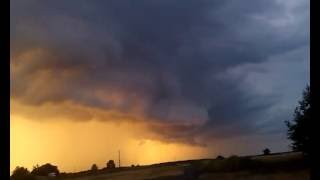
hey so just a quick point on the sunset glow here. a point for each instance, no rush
(158, 80)
(74, 148)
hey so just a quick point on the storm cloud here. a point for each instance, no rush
(189, 69)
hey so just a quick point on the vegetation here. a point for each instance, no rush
(21, 173)
(258, 164)
(220, 157)
(266, 151)
(299, 129)
(111, 164)
(274, 166)
(232, 163)
(44, 170)
(94, 168)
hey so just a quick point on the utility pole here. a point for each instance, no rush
(119, 157)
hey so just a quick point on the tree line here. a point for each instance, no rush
(22, 173)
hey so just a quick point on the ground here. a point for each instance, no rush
(284, 166)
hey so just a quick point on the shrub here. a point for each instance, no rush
(266, 151)
(232, 163)
(21, 173)
(44, 170)
(111, 164)
(220, 157)
(94, 168)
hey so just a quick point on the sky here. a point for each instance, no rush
(158, 80)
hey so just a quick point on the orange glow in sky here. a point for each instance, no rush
(158, 81)
(76, 146)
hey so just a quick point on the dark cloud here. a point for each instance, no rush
(178, 60)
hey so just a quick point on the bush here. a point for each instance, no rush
(111, 164)
(232, 163)
(266, 151)
(21, 173)
(44, 170)
(94, 168)
(220, 157)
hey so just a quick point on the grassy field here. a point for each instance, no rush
(247, 175)
(285, 166)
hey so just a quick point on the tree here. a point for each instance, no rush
(44, 170)
(111, 164)
(94, 168)
(21, 173)
(220, 157)
(266, 151)
(299, 129)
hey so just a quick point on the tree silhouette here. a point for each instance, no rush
(94, 168)
(44, 170)
(21, 173)
(111, 164)
(220, 157)
(266, 151)
(298, 130)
